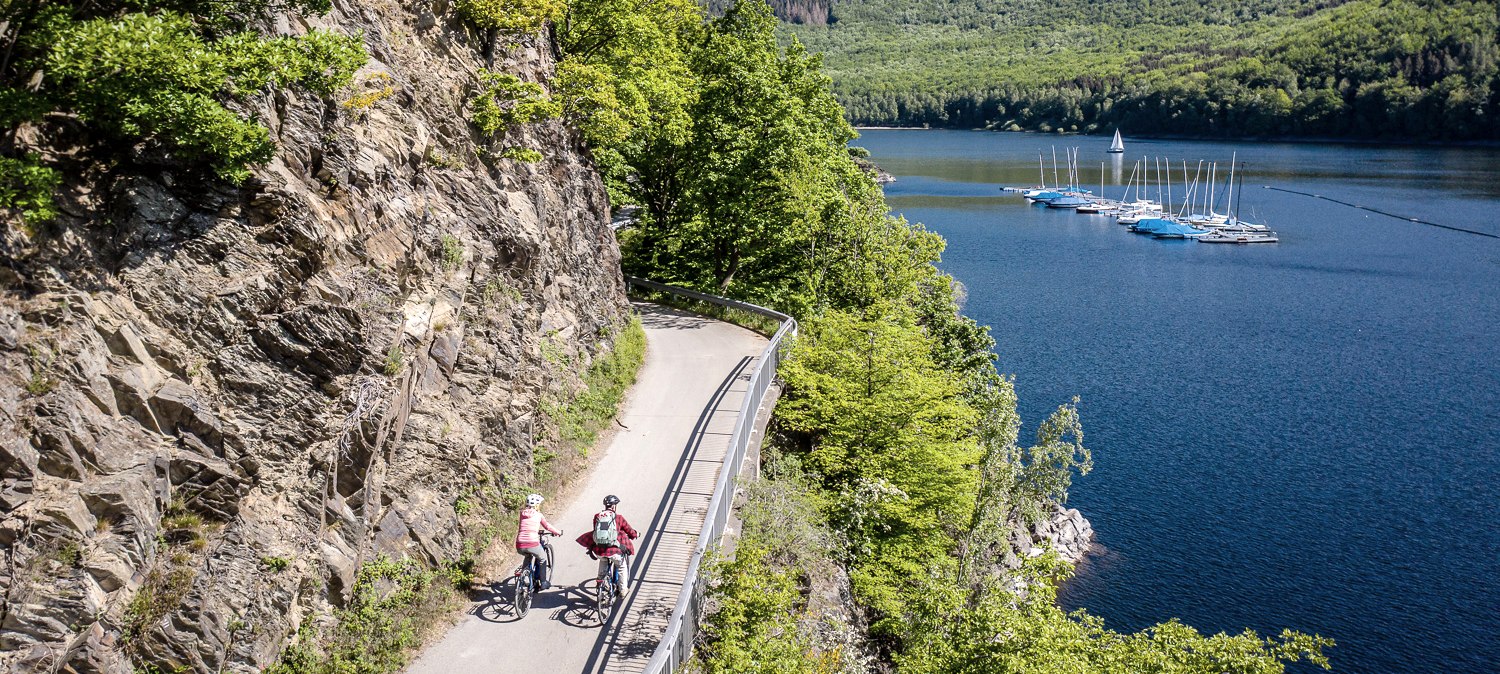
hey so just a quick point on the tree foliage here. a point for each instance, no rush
(511, 16)
(153, 76)
(504, 100)
(765, 623)
(1365, 68)
(1003, 630)
(157, 72)
(625, 81)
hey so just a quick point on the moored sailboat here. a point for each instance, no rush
(1178, 230)
(1222, 236)
(1068, 201)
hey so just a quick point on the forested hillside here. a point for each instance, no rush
(1409, 69)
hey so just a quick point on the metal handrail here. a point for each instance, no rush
(682, 626)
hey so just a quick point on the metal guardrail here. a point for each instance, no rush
(682, 626)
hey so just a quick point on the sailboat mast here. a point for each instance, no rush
(1158, 179)
(1077, 171)
(1196, 175)
(1229, 206)
(1213, 181)
(1228, 190)
(1054, 166)
(1041, 169)
(1242, 198)
(1168, 203)
(1187, 192)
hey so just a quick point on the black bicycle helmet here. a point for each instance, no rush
(611, 500)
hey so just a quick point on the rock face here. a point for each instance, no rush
(217, 401)
(1066, 531)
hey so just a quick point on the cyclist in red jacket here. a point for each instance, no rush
(610, 540)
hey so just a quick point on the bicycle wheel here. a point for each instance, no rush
(604, 600)
(523, 592)
(551, 567)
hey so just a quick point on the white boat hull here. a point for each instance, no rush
(1221, 237)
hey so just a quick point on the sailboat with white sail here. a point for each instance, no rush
(1117, 145)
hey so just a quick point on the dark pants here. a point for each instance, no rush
(540, 555)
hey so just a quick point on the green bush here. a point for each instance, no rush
(395, 358)
(580, 418)
(452, 251)
(506, 100)
(159, 76)
(522, 154)
(378, 628)
(40, 360)
(154, 76)
(511, 16)
(26, 187)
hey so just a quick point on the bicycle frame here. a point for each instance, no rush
(528, 563)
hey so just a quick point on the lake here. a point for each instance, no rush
(1299, 435)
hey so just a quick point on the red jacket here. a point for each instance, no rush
(627, 534)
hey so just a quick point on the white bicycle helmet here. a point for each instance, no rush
(533, 500)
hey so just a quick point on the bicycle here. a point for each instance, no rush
(527, 584)
(607, 594)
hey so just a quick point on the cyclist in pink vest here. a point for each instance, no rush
(610, 524)
(529, 537)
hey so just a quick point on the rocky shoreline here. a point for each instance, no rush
(1067, 531)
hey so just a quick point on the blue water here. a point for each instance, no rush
(1301, 435)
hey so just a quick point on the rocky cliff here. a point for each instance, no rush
(807, 12)
(217, 401)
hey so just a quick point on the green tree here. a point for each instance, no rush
(890, 436)
(1010, 630)
(625, 80)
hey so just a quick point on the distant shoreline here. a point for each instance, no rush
(1297, 140)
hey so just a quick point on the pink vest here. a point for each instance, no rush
(532, 522)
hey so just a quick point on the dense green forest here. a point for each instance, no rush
(1406, 69)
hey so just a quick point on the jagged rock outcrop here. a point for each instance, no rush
(216, 401)
(1063, 530)
(806, 12)
(1066, 531)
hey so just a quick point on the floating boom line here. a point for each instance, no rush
(1385, 213)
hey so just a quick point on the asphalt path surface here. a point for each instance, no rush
(663, 465)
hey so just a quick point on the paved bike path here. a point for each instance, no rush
(663, 466)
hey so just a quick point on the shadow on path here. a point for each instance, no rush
(658, 316)
(610, 645)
